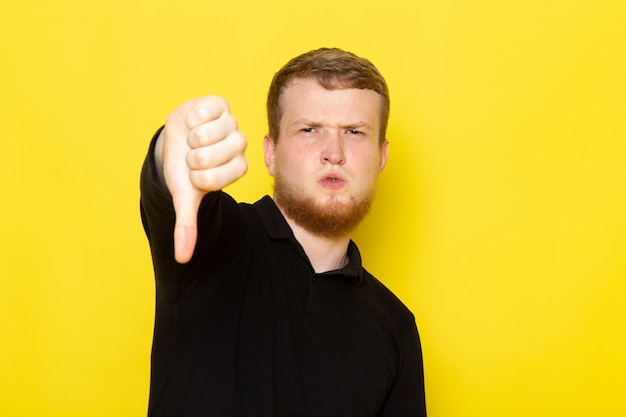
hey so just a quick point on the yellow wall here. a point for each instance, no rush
(500, 220)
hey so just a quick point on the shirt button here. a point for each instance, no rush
(314, 280)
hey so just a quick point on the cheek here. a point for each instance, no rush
(299, 156)
(289, 164)
(370, 164)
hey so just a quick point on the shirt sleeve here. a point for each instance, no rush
(407, 396)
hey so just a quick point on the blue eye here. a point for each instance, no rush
(308, 130)
(354, 132)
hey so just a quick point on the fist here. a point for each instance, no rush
(216, 147)
(200, 150)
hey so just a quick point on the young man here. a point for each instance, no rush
(266, 309)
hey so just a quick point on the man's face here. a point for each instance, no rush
(328, 157)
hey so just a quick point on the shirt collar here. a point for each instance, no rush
(278, 228)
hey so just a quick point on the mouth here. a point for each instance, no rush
(333, 181)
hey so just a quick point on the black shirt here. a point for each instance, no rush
(247, 328)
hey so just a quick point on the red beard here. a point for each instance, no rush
(330, 219)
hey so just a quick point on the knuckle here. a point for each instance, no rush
(221, 103)
(199, 159)
(229, 121)
(204, 158)
(193, 138)
(241, 166)
(241, 143)
(214, 105)
(190, 159)
(204, 180)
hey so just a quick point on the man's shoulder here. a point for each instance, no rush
(384, 296)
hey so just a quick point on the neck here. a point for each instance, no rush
(324, 253)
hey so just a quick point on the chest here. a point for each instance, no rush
(297, 342)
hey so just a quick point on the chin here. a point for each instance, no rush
(330, 216)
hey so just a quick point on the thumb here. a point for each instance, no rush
(186, 206)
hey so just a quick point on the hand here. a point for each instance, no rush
(200, 150)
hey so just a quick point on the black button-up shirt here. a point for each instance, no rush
(247, 328)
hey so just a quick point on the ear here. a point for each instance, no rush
(268, 149)
(384, 154)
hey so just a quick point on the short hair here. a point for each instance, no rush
(333, 68)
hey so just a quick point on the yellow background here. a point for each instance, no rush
(500, 219)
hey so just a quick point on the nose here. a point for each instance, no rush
(332, 151)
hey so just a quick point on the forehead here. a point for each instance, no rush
(306, 98)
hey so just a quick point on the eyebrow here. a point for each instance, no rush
(357, 125)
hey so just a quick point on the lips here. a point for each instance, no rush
(332, 181)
